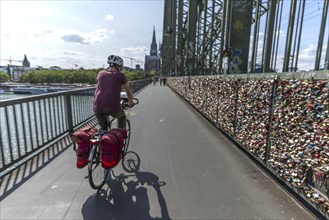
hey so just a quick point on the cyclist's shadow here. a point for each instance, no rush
(125, 197)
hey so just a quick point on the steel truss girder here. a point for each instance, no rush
(212, 22)
(208, 39)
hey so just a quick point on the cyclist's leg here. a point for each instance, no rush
(102, 120)
(121, 116)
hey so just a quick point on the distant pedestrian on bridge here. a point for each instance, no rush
(164, 81)
(227, 58)
(107, 94)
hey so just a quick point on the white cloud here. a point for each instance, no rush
(75, 18)
(74, 38)
(138, 53)
(310, 50)
(93, 37)
(134, 50)
(306, 58)
(98, 36)
(71, 52)
(60, 33)
(109, 17)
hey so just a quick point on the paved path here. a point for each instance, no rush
(188, 170)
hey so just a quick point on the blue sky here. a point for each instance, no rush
(82, 33)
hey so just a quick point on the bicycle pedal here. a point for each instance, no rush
(86, 177)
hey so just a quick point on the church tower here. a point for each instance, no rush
(152, 61)
(154, 46)
(26, 63)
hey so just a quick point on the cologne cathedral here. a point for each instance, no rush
(152, 61)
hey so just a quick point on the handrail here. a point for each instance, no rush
(4, 103)
(29, 124)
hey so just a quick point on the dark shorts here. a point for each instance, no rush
(102, 119)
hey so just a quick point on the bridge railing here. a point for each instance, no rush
(31, 123)
(281, 120)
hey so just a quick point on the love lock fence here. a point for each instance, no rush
(281, 120)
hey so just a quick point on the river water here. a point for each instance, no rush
(30, 137)
(7, 96)
(46, 119)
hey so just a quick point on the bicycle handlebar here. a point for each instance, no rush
(125, 104)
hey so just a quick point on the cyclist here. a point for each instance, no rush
(107, 94)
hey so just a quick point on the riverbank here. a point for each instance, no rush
(10, 86)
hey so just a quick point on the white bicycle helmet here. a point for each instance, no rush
(113, 59)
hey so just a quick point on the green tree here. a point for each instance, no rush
(151, 73)
(60, 76)
(4, 77)
(134, 75)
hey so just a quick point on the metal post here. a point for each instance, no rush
(254, 48)
(179, 57)
(275, 35)
(166, 38)
(69, 113)
(295, 40)
(269, 36)
(191, 36)
(173, 36)
(264, 38)
(322, 30)
(237, 87)
(222, 35)
(228, 23)
(198, 43)
(289, 36)
(203, 57)
(326, 61)
(300, 34)
(228, 19)
(9, 135)
(212, 36)
(270, 122)
(278, 37)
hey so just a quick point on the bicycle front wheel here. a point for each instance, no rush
(127, 140)
(96, 173)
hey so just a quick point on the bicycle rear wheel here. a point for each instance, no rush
(96, 173)
(127, 140)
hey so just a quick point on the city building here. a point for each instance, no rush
(16, 71)
(55, 68)
(152, 61)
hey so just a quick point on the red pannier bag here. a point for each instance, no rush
(111, 147)
(82, 139)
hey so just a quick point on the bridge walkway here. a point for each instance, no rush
(188, 170)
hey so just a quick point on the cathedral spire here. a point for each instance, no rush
(154, 46)
(26, 63)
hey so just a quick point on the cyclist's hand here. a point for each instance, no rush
(131, 103)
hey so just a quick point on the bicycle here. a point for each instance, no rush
(96, 173)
